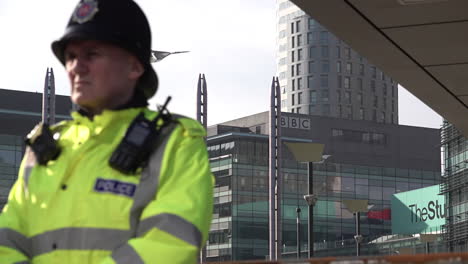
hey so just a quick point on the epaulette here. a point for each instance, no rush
(192, 128)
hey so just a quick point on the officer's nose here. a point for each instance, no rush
(76, 65)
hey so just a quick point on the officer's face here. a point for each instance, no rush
(102, 76)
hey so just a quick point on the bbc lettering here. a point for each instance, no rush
(295, 122)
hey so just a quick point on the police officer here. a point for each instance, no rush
(118, 183)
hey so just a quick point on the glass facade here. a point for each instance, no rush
(11, 153)
(240, 224)
(454, 185)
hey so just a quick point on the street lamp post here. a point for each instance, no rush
(308, 152)
(298, 232)
(358, 236)
(311, 199)
(356, 207)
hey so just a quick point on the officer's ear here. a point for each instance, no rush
(136, 68)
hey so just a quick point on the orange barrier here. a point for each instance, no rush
(440, 258)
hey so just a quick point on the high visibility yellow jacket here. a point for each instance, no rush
(77, 209)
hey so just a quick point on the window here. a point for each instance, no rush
(324, 81)
(312, 52)
(349, 112)
(292, 28)
(299, 40)
(384, 100)
(359, 97)
(338, 96)
(324, 51)
(348, 97)
(393, 106)
(347, 82)
(373, 72)
(293, 38)
(313, 97)
(382, 76)
(384, 90)
(324, 37)
(309, 37)
(292, 99)
(348, 53)
(339, 114)
(337, 132)
(292, 56)
(282, 75)
(298, 110)
(376, 101)
(349, 67)
(311, 109)
(298, 69)
(361, 69)
(283, 90)
(372, 85)
(282, 47)
(361, 113)
(310, 80)
(338, 51)
(298, 26)
(282, 61)
(292, 70)
(339, 81)
(299, 98)
(299, 83)
(299, 54)
(393, 91)
(382, 117)
(338, 66)
(326, 109)
(324, 96)
(311, 23)
(292, 110)
(374, 115)
(325, 66)
(359, 83)
(311, 67)
(293, 82)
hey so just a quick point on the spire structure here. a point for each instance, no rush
(275, 179)
(48, 98)
(202, 101)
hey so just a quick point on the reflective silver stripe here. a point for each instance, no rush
(13, 239)
(30, 162)
(146, 190)
(27, 174)
(126, 254)
(174, 225)
(78, 238)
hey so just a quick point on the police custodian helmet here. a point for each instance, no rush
(118, 22)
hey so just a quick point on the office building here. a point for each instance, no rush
(369, 160)
(19, 113)
(322, 75)
(454, 186)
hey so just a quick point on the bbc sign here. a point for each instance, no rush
(295, 122)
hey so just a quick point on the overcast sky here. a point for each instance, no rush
(231, 42)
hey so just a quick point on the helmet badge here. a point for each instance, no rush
(85, 11)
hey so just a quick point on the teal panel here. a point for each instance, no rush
(418, 211)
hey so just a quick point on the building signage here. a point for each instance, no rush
(418, 211)
(295, 122)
